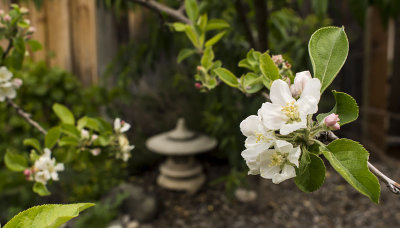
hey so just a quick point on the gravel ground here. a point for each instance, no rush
(336, 204)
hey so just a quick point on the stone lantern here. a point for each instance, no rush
(181, 171)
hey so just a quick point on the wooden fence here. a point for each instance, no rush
(77, 35)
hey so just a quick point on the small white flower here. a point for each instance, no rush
(121, 126)
(256, 133)
(300, 82)
(286, 113)
(84, 134)
(278, 164)
(95, 151)
(46, 168)
(5, 74)
(124, 152)
(7, 90)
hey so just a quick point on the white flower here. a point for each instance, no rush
(7, 90)
(278, 164)
(46, 168)
(95, 151)
(121, 126)
(286, 113)
(84, 134)
(300, 82)
(5, 74)
(124, 152)
(256, 133)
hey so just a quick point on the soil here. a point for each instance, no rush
(335, 204)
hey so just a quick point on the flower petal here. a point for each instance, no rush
(289, 128)
(280, 93)
(307, 105)
(250, 125)
(252, 153)
(269, 172)
(288, 172)
(272, 116)
(294, 156)
(313, 89)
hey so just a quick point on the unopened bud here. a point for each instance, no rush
(96, 151)
(28, 174)
(300, 82)
(277, 59)
(332, 121)
(198, 85)
(7, 18)
(94, 137)
(84, 134)
(17, 82)
(32, 29)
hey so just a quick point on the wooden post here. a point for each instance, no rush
(375, 82)
(38, 20)
(84, 48)
(58, 33)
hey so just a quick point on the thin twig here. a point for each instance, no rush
(393, 186)
(177, 14)
(10, 43)
(26, 116)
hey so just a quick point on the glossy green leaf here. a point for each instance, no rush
(252, 83)
(268, 67)
(328, 49)
(179, 27)
(349, 159)
(64, 114)
(214, 24)
(41, 189)
(346, 107)
(47, 216)
(215, 39)
(311, 172)
(70, 130)
(185, 53)
(207, 58)
(226, 76)
(52, 137)
(15, 162)
(191, 34)
(33, 143)
(192, 9)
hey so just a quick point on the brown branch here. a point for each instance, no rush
(243, 18)
(26, 116)
(10, 44)
(177, 14)
(393, 186)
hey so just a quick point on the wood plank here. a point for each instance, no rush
(38, 20)
(58, 33)
(84, 42)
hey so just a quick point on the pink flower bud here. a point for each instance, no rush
(28, 174)
(332, 121)
(7, 18)
(94, 137)
(199, 68)
(278, 59)
(198, 85)
(300, 82)
(17, 82)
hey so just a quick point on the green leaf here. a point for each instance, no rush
(64, 114)
(215, 39)
(41, 189)
(311, 172)
(202, 22)
(207, 58)
(346, 107)
(185, 53)
(68, 141)
(252, 82)
(268, 67)
(70, 130)
(226, 76)
(328, 49)
(33, 143)
(15, 162)
(191, 34)
(47, 216)
(52, 137)
(35, 45)
(216, 24)
(192, 10)
(179, 27)
(349, 159)
(244, 63)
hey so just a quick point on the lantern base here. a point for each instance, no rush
(181, 174)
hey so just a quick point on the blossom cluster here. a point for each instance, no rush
(8, 85)
(124, 147)
(44, 169)
(269, 150)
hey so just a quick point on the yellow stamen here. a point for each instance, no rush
(291, 110)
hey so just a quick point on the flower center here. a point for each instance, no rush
(291, 110)
(278, 159)
(261, 137)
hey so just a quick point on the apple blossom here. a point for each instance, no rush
(256, 133)
(286, 113)
(46, 168)
(121, 126)
(5, 74)
(7, 18)
(84, 134)
(124, 152)
(277, 59)
(300, 82)
(95, 151)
